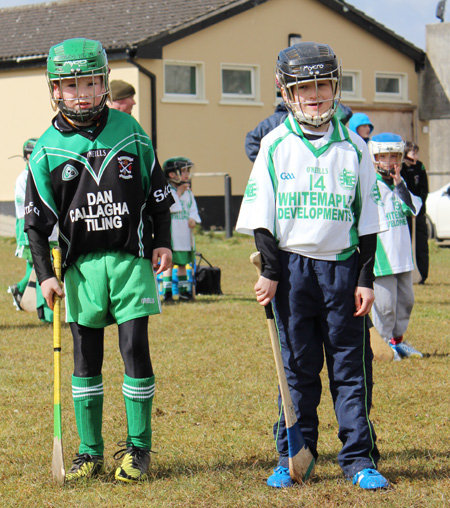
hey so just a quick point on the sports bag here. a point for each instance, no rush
(207, 278)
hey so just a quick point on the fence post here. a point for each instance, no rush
(228, 208)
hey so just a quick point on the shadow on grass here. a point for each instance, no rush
(28, 326)
(206, 299)
(436, 355)
(242, 467)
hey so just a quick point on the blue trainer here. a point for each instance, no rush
(405, 350)
(280, 478)
(370, 479)
(397, 357)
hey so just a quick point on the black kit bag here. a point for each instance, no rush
(207, 278)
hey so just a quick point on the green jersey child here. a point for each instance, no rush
(95, 171)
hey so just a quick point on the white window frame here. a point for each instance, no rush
(356, 94)
(199, 96)
(252, 99)
(401, 96)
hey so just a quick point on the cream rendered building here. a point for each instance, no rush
(204, 75)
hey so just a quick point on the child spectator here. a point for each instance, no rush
(184, 217)
(310, 204)
(415, 176)
(361, 124)
(17, 291)
(394, 292)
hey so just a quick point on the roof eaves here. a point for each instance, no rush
(36, 61)
(377, 29)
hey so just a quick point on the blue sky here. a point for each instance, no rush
(405, 17)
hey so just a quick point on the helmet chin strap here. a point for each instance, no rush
(315, 121)
(384, 172)
(178, 183)
(83, 118)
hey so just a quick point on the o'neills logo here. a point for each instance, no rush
(125, 167)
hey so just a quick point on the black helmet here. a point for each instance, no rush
(308, 61)
(177, 165)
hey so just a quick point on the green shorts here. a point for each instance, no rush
(182, 257)
(107, 287)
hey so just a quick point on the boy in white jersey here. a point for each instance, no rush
(313, 206)
(394, 292)
(45, 314)
(184, 217)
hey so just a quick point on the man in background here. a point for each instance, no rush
(122, 94)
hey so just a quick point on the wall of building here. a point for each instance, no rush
(212, 133)
(435, 102)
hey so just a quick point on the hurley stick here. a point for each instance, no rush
(194, 292)
(58, 471)
(301, 460)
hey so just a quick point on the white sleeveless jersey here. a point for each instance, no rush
(394, 252)
(316, 197)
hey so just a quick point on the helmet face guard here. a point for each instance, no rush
(182, 167)
(75, 59)
(393, 146)
(308, 62)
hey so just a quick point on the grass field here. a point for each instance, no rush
(215, 404)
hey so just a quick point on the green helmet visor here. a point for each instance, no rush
(77, 75)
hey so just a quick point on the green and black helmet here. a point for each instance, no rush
(78, 58)
(177, 165)
(28, 147)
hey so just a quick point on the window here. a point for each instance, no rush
(391, 87)
(351, 85)
(183, 82)
(239, 84)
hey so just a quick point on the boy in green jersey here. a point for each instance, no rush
(95, 171)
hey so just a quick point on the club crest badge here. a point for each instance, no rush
(376, 195)
(69, 173)
(125, 167)
(347, 179)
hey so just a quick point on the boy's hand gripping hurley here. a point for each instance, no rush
(58, 471)
(301, 460)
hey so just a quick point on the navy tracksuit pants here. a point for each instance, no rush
(314, 307)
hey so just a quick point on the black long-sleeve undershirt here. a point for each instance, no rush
(267, 246)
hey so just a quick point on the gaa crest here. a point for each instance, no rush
(251, 191)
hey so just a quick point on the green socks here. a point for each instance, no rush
(184, 286)
(22, 285)
(138, 395)
(87, 395)
(167, 285)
